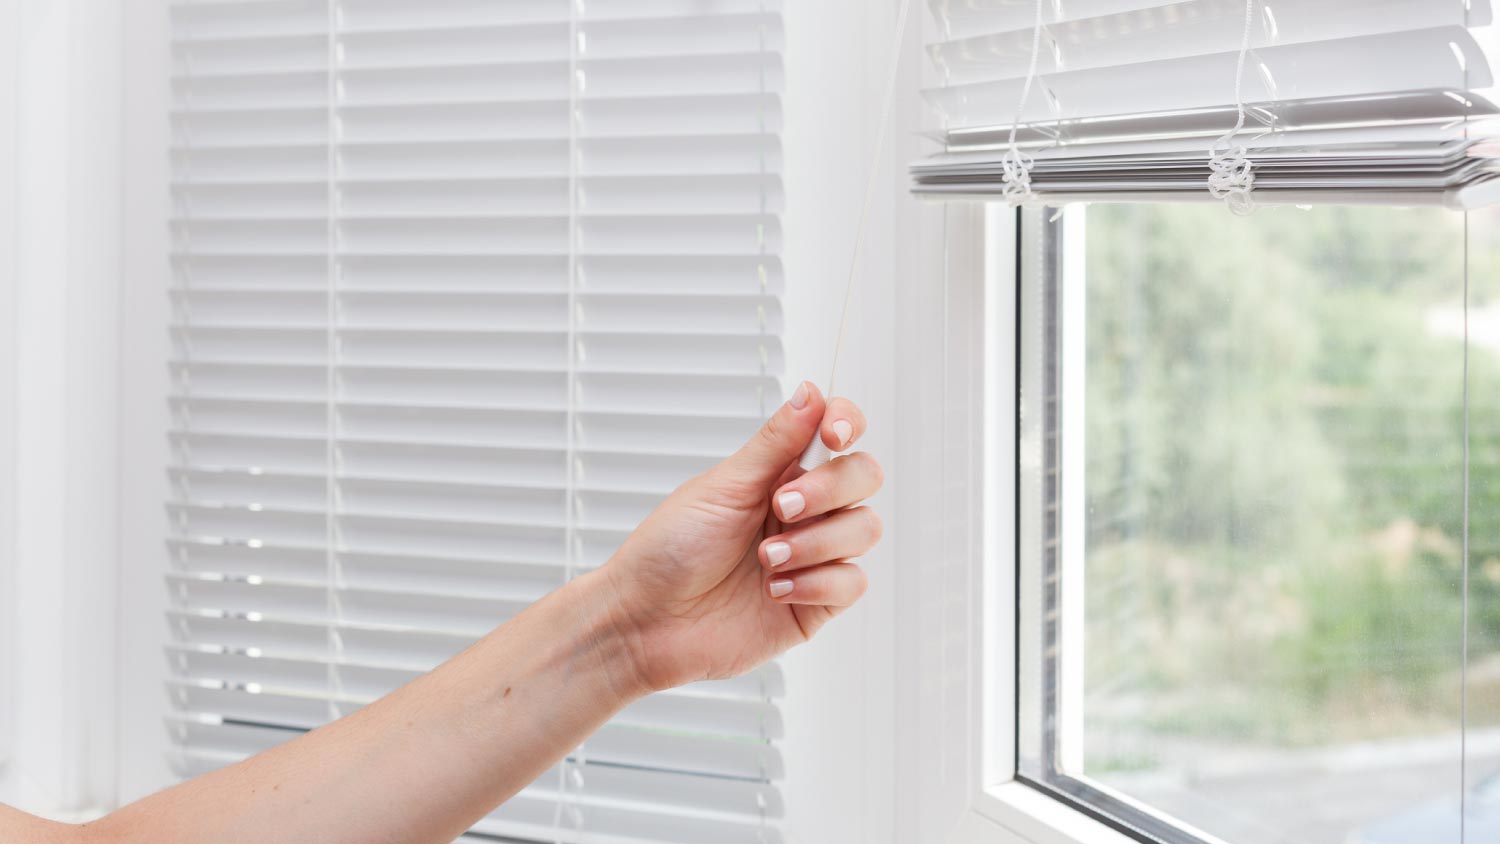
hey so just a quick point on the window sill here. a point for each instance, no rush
(1015, 813)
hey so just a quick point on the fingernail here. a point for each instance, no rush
(799, 398)
(780, 587)
(843, 430)
(778, 553)
(791, 504)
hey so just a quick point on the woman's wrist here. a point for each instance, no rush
(615, 630)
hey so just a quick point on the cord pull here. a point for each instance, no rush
(815, 455)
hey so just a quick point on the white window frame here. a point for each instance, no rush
(59, 364)
(963, 766)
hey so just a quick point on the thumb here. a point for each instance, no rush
(779, 442)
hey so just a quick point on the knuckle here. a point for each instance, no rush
(874, 525)
(870, 466)
(816, 488)
(814, 592)
(812, 543)
(774, 431)
(859, 581)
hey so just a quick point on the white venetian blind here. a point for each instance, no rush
(1383, 100)
(462, 288)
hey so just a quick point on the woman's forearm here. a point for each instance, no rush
(738, 564)
(425, 762)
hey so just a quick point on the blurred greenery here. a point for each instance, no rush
(1274, 472)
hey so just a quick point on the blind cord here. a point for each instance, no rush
(1463, 669)
(1463, 665)
(333, 606)
(1231, 176)
(817, 454)
(872, 176)
(1016, 165)
(570, 777)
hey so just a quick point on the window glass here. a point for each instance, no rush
(1243, 543)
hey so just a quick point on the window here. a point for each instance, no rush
(462, 288)
(1240, 601)
(1258, 562)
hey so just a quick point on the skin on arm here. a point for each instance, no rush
(736, 566)
(19, 826)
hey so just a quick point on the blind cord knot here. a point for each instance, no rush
(1231, 176)
(1016, 165)
(1016, 173)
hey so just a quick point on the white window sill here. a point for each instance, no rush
(1015, 813)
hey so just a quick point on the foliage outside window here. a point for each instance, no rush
(1274, 530)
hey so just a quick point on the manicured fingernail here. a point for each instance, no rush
(778, 553)
(791, 504)
(843, 430)
(780, 587)
(799, 398)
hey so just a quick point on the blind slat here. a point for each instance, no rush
(1319, 85)
(1178, 30)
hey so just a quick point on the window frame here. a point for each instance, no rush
(993, 267)
(1053, 269)
(59, 536)
(964, 773)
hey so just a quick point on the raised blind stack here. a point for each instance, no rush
(1385, 101)
(461, 289)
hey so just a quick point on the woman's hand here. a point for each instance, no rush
(751, 557)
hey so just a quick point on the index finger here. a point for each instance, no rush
(843, 424)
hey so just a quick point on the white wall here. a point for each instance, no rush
(842, 751)
(9, 91)
(65, 320)
(920, 419)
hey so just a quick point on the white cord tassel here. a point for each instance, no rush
(816, 454)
